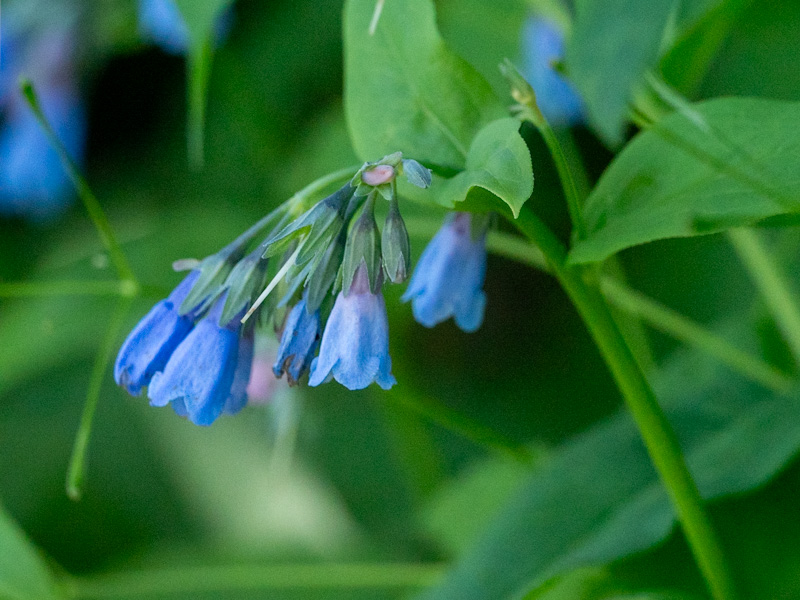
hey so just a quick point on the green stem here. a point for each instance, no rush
(196, 580)
(77, 463)
(657, 433)
(93, 207)
(772, 285)
(198, 71)
(565, 175)
(673, 323)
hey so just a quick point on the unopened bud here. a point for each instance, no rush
(378, 175)
(396, 246)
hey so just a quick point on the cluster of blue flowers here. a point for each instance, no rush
(194, 350)
(33, 183)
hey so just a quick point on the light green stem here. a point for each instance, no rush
(198, 72)
(565, 175)
(77, 463)
(93, 207)
(772, 285)
(67, 288)
(197, 580)
(657, 433)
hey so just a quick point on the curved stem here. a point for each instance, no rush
(771, 283)
(658, 435)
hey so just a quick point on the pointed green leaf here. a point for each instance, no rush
(405, 90)
(723, 163)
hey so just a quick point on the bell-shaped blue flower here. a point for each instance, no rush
(153, 340)
(161, 22)
(33, 183)
(299, 343)
(355, 344)
(558, 101)
(208, 372)
(448, 279)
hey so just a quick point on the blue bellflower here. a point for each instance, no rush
(355, 344)
(208, 372)
(558, 101)
(161, 22)
(149, 346)
(299, 343)
(33, 183)
(449, 277)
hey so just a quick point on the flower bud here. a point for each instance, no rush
(396, 246)
(363, 246)
(244, 284)
(378, 175)
(416, 174)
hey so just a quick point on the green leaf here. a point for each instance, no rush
(406, 91)
(23, 573)
(721, 164)
(598, 499)
(613, 43)
(498, 161)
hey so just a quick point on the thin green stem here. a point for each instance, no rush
(77, 463)
(198, 71)
(772, 285)
(91, 203)
(67, 288)
(565, 175)
(205, 579)
(673, 323)
(652, 312)
(655, 429)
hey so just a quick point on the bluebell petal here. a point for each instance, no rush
(161, 22)
(153, 340)
(449, 277)
(555, 96)
(355, 344)
(237, 398)
(299, 343)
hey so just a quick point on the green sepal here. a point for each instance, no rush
(416, 174)
(322, 218)
(396, 246)
(324, 275)
(244, 283)
(363, 245)
(214, 270)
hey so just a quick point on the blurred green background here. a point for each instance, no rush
(328, 475)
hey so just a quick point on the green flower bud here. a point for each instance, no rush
(363, 245)
(324, 273)
(244, 284)
(214, 271)
(416, 174)
(396, 246)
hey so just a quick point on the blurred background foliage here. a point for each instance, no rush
(326, 475)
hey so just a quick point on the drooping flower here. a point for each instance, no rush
(149, 346)
(558, 101)
(355, 344)
(299, 343)
(208, 372)
(448, 279)
(161, 22)
(33, 182)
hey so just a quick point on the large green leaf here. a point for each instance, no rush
(598, 499)
(23, 574)
(405, 90)
(498, 161)
(613, 43)
(596, 584)
(719, 164)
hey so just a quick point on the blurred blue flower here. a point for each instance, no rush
(149, 346)
(558, 101)
(33, 183)
(161, 22)
(355, 344)
(448, 279)
(208, 372)
(299, 343)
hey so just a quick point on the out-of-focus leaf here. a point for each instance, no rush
(406, 91)
(458, 512)
(613, 43)
(719, 164)
(599, 499)
(23, 574)
(498, 161)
